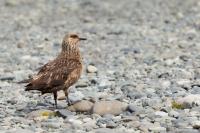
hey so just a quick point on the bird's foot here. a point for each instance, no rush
(68, 102)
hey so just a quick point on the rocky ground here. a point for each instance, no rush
(141, 74)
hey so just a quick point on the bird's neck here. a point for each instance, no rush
(70, 53)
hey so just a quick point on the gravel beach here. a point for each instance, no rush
(141, 66)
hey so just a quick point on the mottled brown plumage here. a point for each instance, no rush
(62, 72)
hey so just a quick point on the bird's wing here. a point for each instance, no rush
(47, 66)
(53, 75)
(42, 69)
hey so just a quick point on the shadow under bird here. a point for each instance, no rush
(60, 73)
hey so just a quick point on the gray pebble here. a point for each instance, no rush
(174, 114)
(18, 130)
(184, 130)
(54, 125)
(77, 96)
(157, 129)
(134, 108)
(64, 113)
(106, 130)
(195, 90)
(111, 124)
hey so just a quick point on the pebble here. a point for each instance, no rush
(133, 124)
(174, 114)
(64, 113)
(81, 106)
(11, 3)
(185, 130)
(129, 118)
(157, 129)
(196, 124)
(165, 84)
(91, 69)
(195, 90)
(104, 83)
(54, 125)
(76, 96)
(135, 95)
(181, 124)
(75, 122)
(61, 95)
(81, 84)
(89, 125)
(184, 83)
(105, 130)
(145, 125)
(111, 124)
(19, 75)
(152, 102)
(19, 130)
(40, 114)
(189, 101)
(8, 76)
(134, 108)
(109, 107)
(194, 113)
(161, 113)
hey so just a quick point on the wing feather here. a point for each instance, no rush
(53, 74)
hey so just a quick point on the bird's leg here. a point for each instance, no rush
(55, 98)
(67, 98)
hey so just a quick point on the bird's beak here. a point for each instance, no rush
(82, 38)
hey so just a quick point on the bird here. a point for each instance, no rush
(60, 73)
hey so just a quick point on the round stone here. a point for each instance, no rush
(91, 69)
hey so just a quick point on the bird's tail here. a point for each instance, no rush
(24, 81)
(29, 87)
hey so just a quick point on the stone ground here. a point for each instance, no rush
(146, 54)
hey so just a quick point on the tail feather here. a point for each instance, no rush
(30, 87)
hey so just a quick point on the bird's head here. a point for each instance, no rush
(71, 41)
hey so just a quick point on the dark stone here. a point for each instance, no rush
(64, 113)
